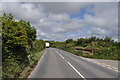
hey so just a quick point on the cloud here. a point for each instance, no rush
(58, 17)
(26, 11)
(53, 21)
(61, 1)
(63, 7)
(106, 17)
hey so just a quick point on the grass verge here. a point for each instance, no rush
(26, 72)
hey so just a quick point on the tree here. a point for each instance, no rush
(17, 38)
(80, 41)
(31, 32)
(18, 43)
(108, 39)
(14, 38)
(69, 40)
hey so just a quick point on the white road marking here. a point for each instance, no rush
(103, 65)
(56, 51)
(114, 68)
(30, 75)
(98, 63)
(94, 61)
(109, 67)
(76, 71)
(61, 56)
(88, 59)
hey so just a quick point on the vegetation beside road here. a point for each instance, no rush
(92, 47)
(20, 49)
(26, 72)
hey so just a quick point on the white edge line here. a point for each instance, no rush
(104, 65)
(98, 63)
(37, 63)
(76, 70)
(109, 67)
(114, 68)
(95, 61)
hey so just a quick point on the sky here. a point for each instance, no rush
(63, 20)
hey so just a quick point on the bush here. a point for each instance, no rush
(97, 48)
(18, 45)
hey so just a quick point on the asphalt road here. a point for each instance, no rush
(56, 63)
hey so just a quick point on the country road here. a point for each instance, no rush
(56, 63)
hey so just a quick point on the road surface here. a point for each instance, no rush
(56, 63)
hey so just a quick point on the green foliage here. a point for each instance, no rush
(108, 39)
(92, 47)
(38, 45)
(69, 40)
(31, 31)
(18, 43)
(12, 68)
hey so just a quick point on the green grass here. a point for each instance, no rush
(26, 72)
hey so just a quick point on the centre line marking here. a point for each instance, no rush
(76, 71)
(56, 51)
(61, 56)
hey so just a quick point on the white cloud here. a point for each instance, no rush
(63, 7)
(92, 20)
(26, 11)
(58, 17)
(53, 21)
(60, 0)
(0, 8)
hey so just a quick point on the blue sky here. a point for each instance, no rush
(60, 21)
(82, 12)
